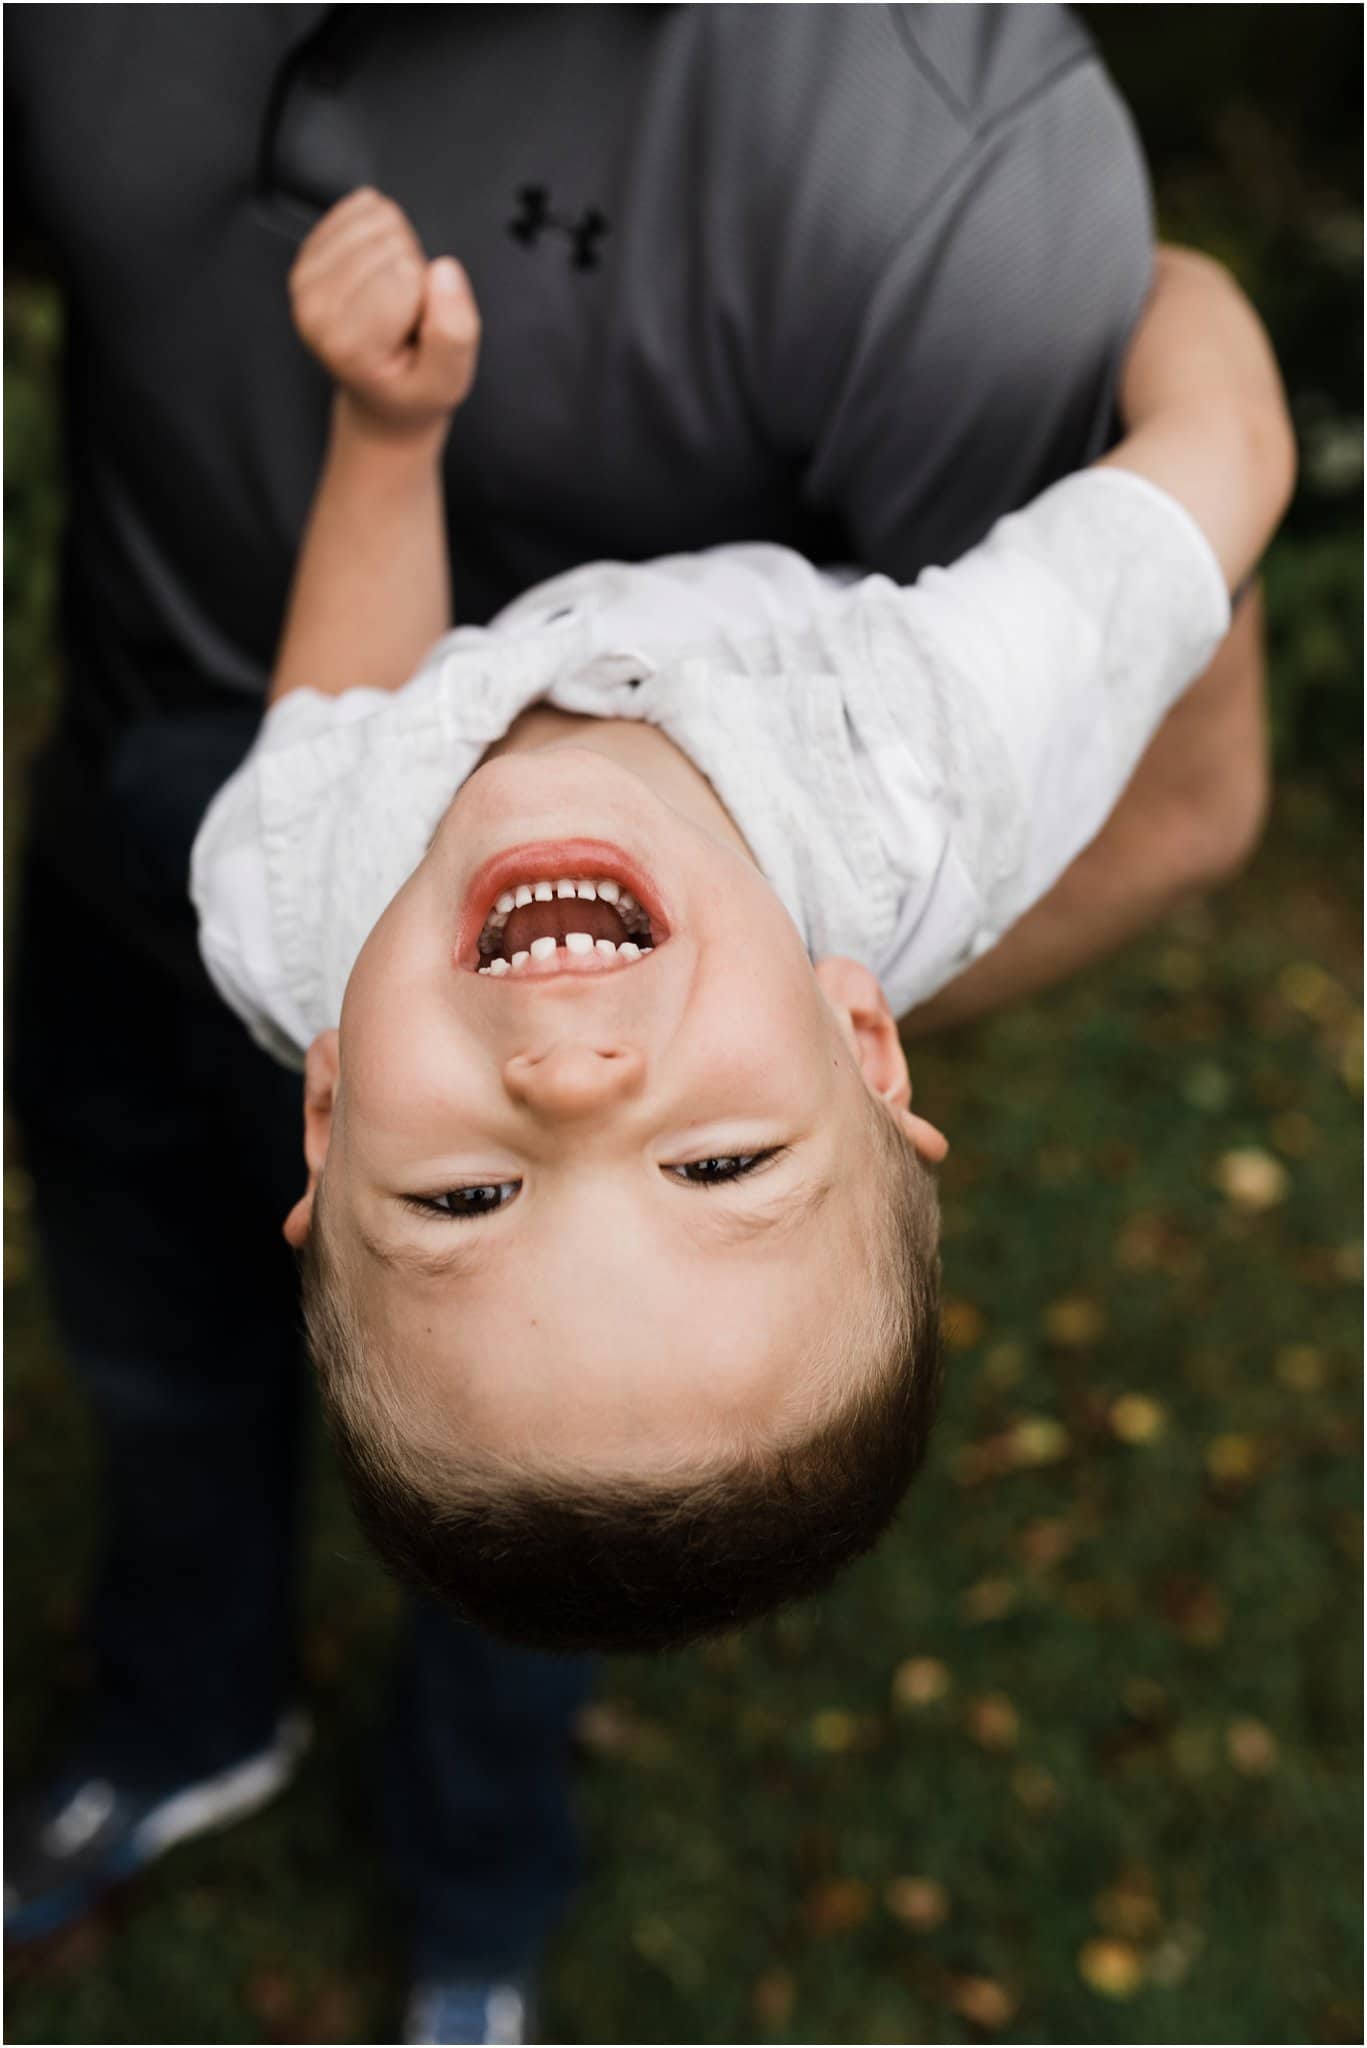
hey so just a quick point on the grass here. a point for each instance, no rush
(1099, 1687)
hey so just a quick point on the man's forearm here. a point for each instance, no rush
(1189, 817)
(1205, 410)
(372, 588)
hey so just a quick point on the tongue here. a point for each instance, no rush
(562, 915)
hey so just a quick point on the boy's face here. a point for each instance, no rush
(602, 1305)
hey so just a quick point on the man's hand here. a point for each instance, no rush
(399, 334)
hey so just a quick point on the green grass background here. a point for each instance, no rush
(1075, 1756)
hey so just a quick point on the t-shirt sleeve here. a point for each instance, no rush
(230, 881)
(982, 354)
(1044, 662)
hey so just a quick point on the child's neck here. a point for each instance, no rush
(633, 744)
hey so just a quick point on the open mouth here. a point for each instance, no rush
(564, 924)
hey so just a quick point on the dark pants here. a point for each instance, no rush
(165, 1150)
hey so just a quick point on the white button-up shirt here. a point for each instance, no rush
(912, 768)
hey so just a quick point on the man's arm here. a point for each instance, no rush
(371, 590)
(1206, 420)
(1204, 409)
(1190, 817)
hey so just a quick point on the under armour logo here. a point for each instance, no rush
(535, 217)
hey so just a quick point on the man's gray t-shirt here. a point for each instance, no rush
(855, 279)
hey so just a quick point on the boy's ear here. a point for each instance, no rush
(870, 1030)
(321, 1070)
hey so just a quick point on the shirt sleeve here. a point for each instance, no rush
(982, 354)
(230, 883)
(1022, 686)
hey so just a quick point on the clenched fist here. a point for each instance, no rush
(399, 334)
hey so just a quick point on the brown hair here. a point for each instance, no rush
(628, 1564)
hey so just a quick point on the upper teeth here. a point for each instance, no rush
(628, 909)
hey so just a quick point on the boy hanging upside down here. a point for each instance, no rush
(592, 929)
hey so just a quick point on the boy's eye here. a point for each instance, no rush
(707, 1173)
(473, 1201)
(490, 1196)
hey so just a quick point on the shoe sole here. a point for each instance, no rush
(219, 1802)
(233, 1795)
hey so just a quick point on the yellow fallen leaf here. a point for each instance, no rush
(1111, 1967)
(1293, 1133)
(961, 1325)
(605, 1728)
(989, 1600)
(609, 1729)
(1232, 1460)
(919, 1682)
(1309, 989)
(1137, 1419)
(672, 1955)
(1347, 1261)
(1074, 1321)
(983, 2002)
(835, 1730)
(1198, 1613)
(771, 1998)
(1251, 1179)
(1046, 1541)
(1128, 1907)
(1004, 1363)
(1169, 1962)
(837, 1906)
(1207, 1086)
(993, 1722)
(918, 1902)
(1038, 1440)
(1300, 1367)
(1192, 1749)
(1251, 1747)
(1140, 1240)
(1035, 1788)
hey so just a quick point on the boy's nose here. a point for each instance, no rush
(574, 1080)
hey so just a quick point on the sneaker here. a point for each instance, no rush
(469, 2009)
(73, 1842)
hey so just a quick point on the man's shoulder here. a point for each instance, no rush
(975, 65)
(839, 124)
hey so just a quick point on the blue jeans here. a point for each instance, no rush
(165, 1151)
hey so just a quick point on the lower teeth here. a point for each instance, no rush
(498, 963)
